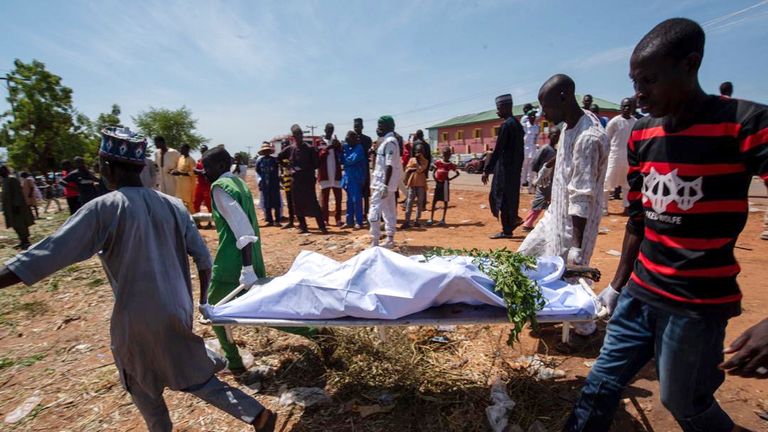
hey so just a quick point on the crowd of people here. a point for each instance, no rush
(684, 171)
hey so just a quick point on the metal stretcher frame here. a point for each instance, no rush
(451, 314)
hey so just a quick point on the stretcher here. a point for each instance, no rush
(447, 314)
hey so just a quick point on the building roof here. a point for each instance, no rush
(517, 110)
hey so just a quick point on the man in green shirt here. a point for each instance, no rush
(238, 259)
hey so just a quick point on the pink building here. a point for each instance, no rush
(476, 133)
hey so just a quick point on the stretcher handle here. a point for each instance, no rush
(232, 295)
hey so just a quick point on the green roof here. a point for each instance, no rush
(517, 110)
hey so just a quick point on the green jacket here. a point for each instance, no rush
(229, 262)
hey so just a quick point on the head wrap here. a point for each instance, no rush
(387, 120)
(295, 128)
(123, 145)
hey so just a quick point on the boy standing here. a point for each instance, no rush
(286, 181)
(442, 178)
(416, 182)
(268, 170)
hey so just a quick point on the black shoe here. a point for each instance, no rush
(269, 425)
(405, 226)
(288, 225)
(527, 229)
(500, 235)
(416, 224)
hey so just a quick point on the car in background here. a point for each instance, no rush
(476, 164)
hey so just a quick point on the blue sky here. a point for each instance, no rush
(248, 70)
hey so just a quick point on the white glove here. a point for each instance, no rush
(544, 177)
(248, 276)
(574, 256)
(384, 192)
(609, 297)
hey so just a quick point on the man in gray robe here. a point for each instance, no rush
(143, 239)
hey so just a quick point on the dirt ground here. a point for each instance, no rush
(54, 339)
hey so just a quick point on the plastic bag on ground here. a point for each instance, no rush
(304, 396)
(498, 413)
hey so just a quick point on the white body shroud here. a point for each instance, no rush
(381, 284)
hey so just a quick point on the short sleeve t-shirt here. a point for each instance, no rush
(387, 154)
(442, 169)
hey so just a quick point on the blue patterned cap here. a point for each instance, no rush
(123, 145)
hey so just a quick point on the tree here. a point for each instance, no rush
(176, 126)
(243, 157)
(42, 127)
(111, 118)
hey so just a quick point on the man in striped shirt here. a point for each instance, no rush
(690, 165)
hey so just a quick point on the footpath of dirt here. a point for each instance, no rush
(54, 338)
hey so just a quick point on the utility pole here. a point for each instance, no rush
(249, 151)
(311, 130)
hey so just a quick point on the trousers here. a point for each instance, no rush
(354, 208)
(325, 195)
(417, 195)
(382, 208)
(217, 393)
(687, 351)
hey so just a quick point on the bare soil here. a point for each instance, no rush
(54, 338)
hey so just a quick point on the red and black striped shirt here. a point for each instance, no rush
(688, 197)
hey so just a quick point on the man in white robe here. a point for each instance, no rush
(618, 131)
(570, 225)
(532, 129)
(166, 160)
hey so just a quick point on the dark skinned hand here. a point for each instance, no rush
(484, 178)
(750, 353)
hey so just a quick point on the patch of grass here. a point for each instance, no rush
(95, 283)
(33, 308)
(29, 361)
(6, 362)
(53, 285)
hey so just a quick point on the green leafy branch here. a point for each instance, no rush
(505, 267)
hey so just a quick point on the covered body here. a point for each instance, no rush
(381, 284)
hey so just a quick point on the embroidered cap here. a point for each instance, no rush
(123, 145)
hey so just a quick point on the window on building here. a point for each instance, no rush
(445, 136)
(460, 135)
(478, 133)
(495, 131)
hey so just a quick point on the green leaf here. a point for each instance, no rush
(521, 294)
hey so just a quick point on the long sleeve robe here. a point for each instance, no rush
(143, 239)
(577, 190)
(506, 164)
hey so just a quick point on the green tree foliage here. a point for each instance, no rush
(111, 118)
(42, 127)
(176, 126)
(243, 157)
